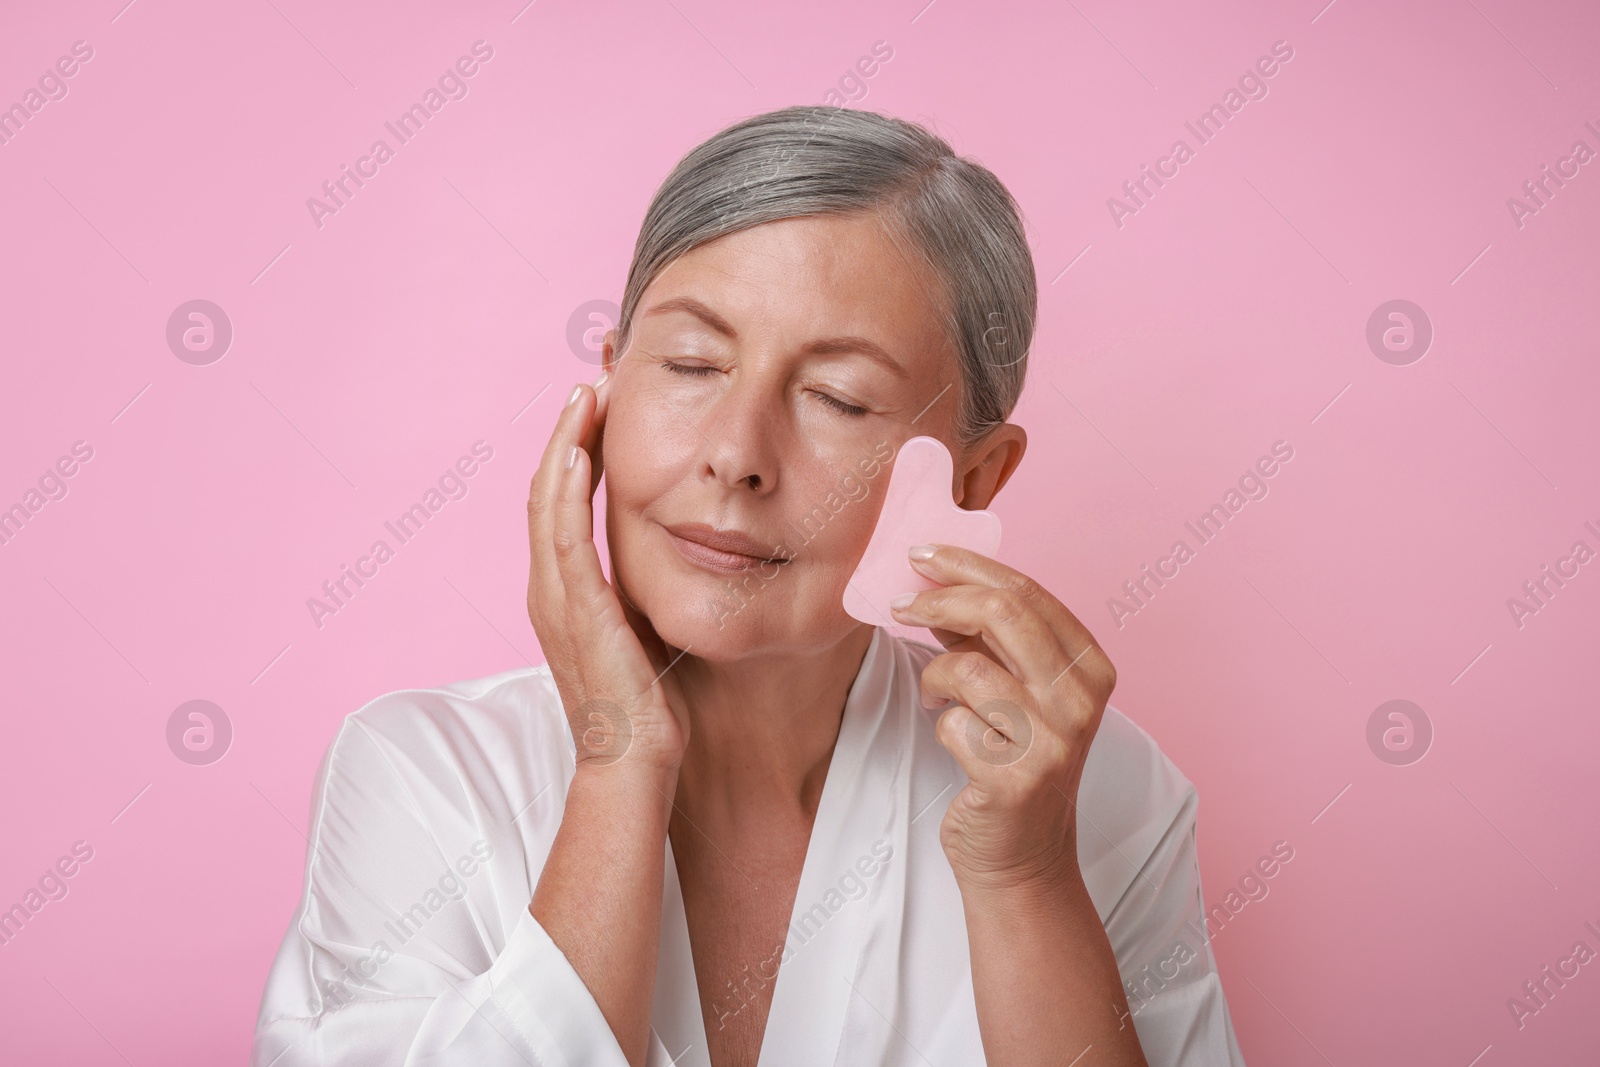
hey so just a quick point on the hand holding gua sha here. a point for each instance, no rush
(917, 510)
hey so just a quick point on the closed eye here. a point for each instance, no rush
(833, 402)
(840, 406)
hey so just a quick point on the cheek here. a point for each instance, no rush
(857, 522)
(642, 445)
(835, 527)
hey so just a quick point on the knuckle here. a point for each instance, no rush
(1003, 605)
(1099, 669)
(1024, 588)
(932, 604)
(970, 667)
(1000, 732)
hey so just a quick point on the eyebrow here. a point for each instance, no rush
(825, 347)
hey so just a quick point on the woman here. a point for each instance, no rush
(720, 826)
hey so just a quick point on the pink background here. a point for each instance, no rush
(1228, 313)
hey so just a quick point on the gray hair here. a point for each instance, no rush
(950, 213)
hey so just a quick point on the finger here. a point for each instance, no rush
(645, 631)
(1010, 625)
(544, 490)
(952, 565)
(594, 435)
(997, 737)
(563, 434)
(970, 678)
(572, 547)
(954, 642)
(664, 660)
(592, 612)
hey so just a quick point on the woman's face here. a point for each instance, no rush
(771, 376)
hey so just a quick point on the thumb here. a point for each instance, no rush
(656, 650)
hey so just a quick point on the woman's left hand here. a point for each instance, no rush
(1031, 685)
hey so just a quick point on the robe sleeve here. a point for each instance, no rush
(412, 943)
(1158, 934)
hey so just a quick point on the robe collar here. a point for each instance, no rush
(842, 945)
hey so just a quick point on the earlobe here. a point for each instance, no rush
(997, 458)
(1011, 459)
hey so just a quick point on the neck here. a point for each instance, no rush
(762, 729)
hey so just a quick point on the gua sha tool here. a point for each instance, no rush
(917, 510)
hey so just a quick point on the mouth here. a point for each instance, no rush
(723, 551)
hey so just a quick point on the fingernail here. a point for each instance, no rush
(902, 601)
(598, 382)
(921, 552)
(930, 703)
(577, 391)
(572, 456)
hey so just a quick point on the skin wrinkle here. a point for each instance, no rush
(746, 433)
(766, 694)
(917, 266)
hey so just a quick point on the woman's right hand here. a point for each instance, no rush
(613, 671)
(599, 894)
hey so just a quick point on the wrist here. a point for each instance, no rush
(1024, 911)
(635, 787)
(1045, 879)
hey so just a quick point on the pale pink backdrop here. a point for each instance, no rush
(433, 311)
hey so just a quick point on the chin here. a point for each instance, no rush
(716, 619)
(708, 631)
(724, 620)
(727, 616)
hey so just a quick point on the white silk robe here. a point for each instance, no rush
(435, 810)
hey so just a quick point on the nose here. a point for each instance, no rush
(741, 433)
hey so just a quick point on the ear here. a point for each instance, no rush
(991, 464)
(608, 352)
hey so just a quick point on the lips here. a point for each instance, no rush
(724, 550)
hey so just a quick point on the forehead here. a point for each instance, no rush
(813, 277)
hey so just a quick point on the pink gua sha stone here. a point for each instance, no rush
(917, 510)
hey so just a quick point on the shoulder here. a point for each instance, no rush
(1136, 828)
(463, 745)
(498, 708)
(1131, 788)
(417, 793)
